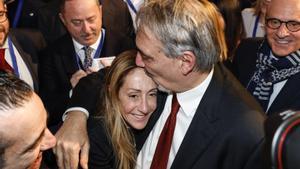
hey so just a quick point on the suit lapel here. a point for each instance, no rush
(203, 127)
(287, 95)
(68, 56)
(32, 68)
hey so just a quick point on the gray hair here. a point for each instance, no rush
(185, 25)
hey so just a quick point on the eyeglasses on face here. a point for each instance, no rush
(274, 23)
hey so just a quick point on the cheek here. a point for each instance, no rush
(74, 31)
(128, 107)
(152, 104)
(297, 39)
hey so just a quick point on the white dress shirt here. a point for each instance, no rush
(189, 102)
(24, 72)
(80, 51)
(276, 89)
(249, 20)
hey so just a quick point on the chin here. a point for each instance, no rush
(163, 89)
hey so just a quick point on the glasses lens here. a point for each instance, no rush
(293, 26)
(273, 23)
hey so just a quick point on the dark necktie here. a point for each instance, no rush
(162, 151)
(88, 60)
(3, 64)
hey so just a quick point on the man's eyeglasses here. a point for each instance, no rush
(274, 23)
(3, 16)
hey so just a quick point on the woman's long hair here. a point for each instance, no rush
(121, 137)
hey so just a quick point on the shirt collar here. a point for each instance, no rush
(79, 46)
(5, 45)
(189, 100)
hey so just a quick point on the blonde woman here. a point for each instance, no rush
(128, 100)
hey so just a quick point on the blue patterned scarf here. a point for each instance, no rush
(271, 70)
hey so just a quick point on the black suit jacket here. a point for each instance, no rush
(226, 131)
(26, 42)
(244, 66)
(58, 63)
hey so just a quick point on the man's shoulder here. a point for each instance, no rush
(63, 43)
(234, 96)
(28, 37)
(248, 42)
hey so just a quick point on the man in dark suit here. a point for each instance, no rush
(270, 67)
(63, 63)
(52, 28)
(218, 125)
(20, 50)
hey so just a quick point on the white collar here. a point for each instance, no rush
(189, 100)
(79, 46)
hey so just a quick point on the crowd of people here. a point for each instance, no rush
(145, 84)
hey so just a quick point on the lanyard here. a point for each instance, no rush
(131, 6)
(255, 26)
(98, 51)
(18, 13)
(13, 58)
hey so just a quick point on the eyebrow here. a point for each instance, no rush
(34, 143)
(138, 90)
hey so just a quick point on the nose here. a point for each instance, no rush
(139, 60)
(144, 106)
(48, 141)
(282, 31)
(86, 27)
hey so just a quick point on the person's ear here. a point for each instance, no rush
(48, 141)
(188, 62)
(61, 16)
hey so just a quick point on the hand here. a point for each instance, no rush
(105, 62)
(72, 142)
(76, 77)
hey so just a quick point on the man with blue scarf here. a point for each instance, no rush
(270, 67)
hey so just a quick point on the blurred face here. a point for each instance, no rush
(163, 70)
(83, 20)
(281, 40)
(29, 136)
(4, 25)
(138, 98)
(264, 5)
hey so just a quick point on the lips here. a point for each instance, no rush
(140, 117)
(282, 41)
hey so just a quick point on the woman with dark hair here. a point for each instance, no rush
(233, 23)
